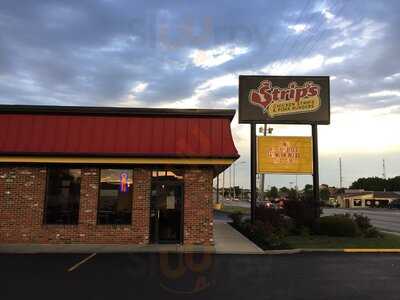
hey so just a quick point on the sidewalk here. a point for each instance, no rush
(229, 241)
(99, 248)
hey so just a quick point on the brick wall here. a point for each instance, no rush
(198, 206)
(21, 203)
(22, 200)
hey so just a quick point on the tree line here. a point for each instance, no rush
(377, 184)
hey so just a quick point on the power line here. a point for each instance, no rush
(277, 53)
(315, 36)
(321, 33)
(295, 41)
(354, 23)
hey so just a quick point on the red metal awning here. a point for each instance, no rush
(163, 134)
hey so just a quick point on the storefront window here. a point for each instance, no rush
(115, 200)
(62, 196)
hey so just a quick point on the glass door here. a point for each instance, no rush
(166, 211)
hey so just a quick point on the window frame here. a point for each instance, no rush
(46, 196)
(113, 167)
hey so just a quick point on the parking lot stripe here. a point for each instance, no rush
(81, 262)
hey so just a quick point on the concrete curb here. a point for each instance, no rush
(350, 250)
(88, 249)
(278, 252)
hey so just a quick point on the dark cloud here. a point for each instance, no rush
(94, 53)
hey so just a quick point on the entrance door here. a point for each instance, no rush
(166, 211)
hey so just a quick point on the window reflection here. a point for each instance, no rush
(115, 199)
(62, 196)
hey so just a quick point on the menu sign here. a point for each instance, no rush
(284, 154)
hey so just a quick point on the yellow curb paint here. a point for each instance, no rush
(81, 262)
(371, 250)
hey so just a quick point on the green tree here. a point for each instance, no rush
(393, 184)
(283, 191)
(237, 191)
(273, 192)
(293, 194)
(324, 195)
(377, 184)
(308, 193)
(370, 184)
(308, 188)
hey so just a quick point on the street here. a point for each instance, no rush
(386, 219)
(173, 276)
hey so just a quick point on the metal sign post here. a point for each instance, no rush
(253, 170)
(315, 164)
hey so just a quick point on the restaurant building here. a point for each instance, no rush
(366, 199)
(99, 175)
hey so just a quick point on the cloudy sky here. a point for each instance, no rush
(188, 54)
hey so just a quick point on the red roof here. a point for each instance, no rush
(116, 132)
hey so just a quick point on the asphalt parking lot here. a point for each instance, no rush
(175, 276)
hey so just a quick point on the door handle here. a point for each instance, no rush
(158, 214)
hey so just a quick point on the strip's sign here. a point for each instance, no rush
(284, 155)
(284, 99)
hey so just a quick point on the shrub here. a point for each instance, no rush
(274, 218)
(304, 231)
(304, 213)
(236, 218)
(365, 226)
(264, 235)
(338, 225)
(270, 216)
(362, 222)
(373, 232)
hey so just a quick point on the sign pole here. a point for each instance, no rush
(315, 163)
(253, 171)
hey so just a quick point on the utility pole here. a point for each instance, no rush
(234, 180)
(230, 183)
(218, 188)
(223, 185)
(340, 173)
(383, 169)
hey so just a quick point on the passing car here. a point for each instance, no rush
(395, 204)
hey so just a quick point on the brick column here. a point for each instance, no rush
(198, 206)
(141, 204)
(89, 198)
